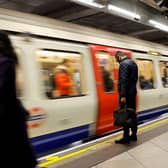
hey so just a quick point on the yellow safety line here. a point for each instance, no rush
(53, 159)
(153, 124)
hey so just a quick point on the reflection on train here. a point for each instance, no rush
(70, 88)
(61, 73)
(146, 77)
(164, 73)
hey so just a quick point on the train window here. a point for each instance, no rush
(146, 74)
(164, 73)
(19, 76)
(106, 64)
(63, 73)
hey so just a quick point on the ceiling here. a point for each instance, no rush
(78, 14)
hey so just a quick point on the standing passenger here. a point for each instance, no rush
(128, 75)
(15, 146)
(63, 81)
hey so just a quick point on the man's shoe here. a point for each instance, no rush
(122, 141)
(133, 138)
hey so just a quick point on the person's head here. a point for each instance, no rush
(166, 64)
(141, 78)
(65, 62)
(120, 55)
(102, 68)
(6, 48)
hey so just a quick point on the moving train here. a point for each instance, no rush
(43, 45)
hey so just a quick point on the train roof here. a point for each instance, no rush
(47, 27)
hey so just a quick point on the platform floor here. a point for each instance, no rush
(150, 151)
(151, 154)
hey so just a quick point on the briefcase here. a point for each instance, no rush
(124, 117)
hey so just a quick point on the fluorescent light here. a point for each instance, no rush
(123, 11)
(89, 3)
(159, 25)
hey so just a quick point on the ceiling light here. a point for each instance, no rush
(89, 3)
(123, 11)
(159, 25)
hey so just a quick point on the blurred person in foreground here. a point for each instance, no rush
(15, 149)
(128, 76)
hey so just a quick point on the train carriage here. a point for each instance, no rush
(43, 44)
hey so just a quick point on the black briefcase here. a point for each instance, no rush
(125, 117)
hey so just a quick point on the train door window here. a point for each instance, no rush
(146, 74)
(106, 63)
(19, 75)
(164, 73)
(62, 72)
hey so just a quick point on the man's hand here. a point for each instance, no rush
(123, 100)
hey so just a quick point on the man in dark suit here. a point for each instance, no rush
(128, 76)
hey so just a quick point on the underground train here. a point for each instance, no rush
(46, 47)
